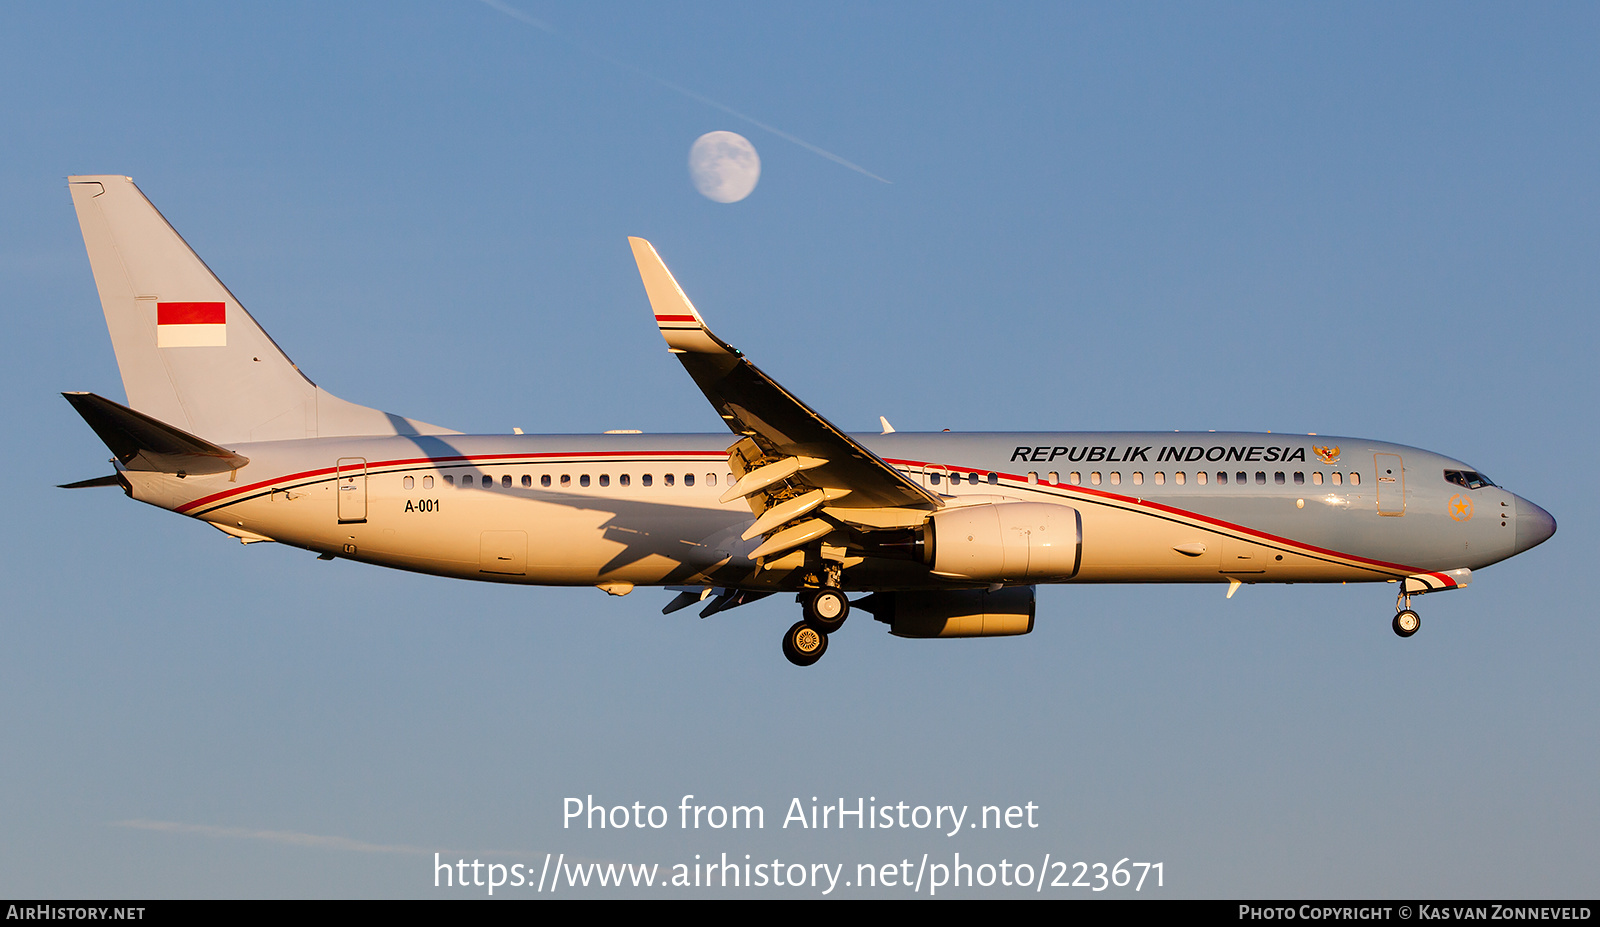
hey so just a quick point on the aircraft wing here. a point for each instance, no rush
(787, 442)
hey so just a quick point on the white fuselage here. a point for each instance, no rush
(644, 509)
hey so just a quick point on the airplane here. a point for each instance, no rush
(940, 534)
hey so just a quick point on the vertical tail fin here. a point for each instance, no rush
(189, 353)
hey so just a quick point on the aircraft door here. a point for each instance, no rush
(937, 479)
(503, 552)
(1391, 484)
(351, 483)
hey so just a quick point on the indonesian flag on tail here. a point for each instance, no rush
(191, 325)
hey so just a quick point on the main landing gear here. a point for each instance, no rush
(825, 610)
(1406, 621)
(804, 645)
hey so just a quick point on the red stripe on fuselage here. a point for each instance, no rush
(204, 501)
(1182, 513)
(1068, 489)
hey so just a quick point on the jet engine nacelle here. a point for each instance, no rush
(954, 613)
(1006, 542)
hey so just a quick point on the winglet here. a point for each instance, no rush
(680, 324)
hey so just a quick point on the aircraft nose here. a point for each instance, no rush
(1534, 525)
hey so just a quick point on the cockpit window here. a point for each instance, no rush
(1467, 478)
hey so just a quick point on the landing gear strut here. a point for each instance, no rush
(1406, 621)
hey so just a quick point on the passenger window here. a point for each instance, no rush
(1033, 477)
(584, 480)
(527, 481)
(1074, 478)
(1116, 478)
(688, 479)
(605, 479)
(544, 481)
(1355, 479)
(1338, 478)
(994, 479)
(933, 479)
(1055, 477)
(505, 481)
(666, 479)
(449, 480)
(1178, 477)
(1261, 478)
(1222, 477)
(1200, 478)
(409, 482)
(1299, 478)
(645, 480)
(623, 480)
(1278, 477)
(1161, 478)
(711, 479)
(1138, 477)
(1094, 477)
(427, 482)
(566, 481)
(1316, 478)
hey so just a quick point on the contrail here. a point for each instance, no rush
(295, 838)
(272, 836)
(517, 14)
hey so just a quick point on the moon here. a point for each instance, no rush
(724, 166)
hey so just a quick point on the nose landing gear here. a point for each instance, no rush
(1406, 621)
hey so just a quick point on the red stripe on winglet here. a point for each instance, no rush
(674, 318)
(191, 313)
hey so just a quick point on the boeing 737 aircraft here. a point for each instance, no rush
(946, 534)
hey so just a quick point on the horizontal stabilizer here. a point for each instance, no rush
(112, 480)
(144, 443)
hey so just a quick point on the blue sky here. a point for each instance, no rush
(1350, 220)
